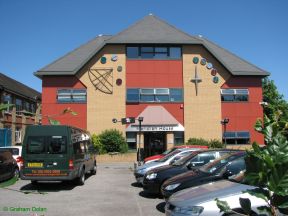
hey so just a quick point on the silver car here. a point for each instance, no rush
(200, 201)
(140, 171)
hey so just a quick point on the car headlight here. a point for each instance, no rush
(172, 187)
(142, 171)
(193, 210)
(151, 176)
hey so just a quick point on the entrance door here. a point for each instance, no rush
(154, 143)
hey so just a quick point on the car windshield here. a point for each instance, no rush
(46, 144)
(168, 156)
(216, 164)
(169, 151)
(185, 159)
(14, 151)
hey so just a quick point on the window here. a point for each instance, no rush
(153, 52)
(18, 135)
(132, 52)
(152, 95)
(19, 106)
(178, 137)
(57, 145)
(131, 140)
(236, 137)
(71, 96)
(234, 95)
(132, 95)
(7, 99)
(36, 145)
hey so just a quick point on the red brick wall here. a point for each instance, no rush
(243, 115)
(50, 85)
(155, 74)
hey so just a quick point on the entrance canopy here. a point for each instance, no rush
(155, 118)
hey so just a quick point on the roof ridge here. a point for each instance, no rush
(231, 53)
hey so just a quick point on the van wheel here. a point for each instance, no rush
(81, 179)
(94, 170)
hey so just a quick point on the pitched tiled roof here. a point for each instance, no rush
(18, 88)
(149, 30)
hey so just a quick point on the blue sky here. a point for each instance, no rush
(33, 33)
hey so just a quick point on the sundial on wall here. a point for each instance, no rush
(102, 79)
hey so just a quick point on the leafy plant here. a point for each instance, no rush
(197, 141)
(5, 106)
(53, 121)
(113, 141)
(214, 143)
(97, 144)
(266, 167)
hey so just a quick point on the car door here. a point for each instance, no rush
(2, 166)
(6, 164)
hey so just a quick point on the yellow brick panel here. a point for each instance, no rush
(202, 112)
(103, 107)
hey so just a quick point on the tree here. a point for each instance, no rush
(275, 100)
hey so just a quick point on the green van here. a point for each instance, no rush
(57, 153)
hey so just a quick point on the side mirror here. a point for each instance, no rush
(227, 174)
(190, 166)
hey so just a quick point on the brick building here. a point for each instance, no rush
(183, 86)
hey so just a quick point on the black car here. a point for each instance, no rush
(154, 178)
(8, 166)
(230, 164)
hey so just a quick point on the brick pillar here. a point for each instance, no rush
(170, 140)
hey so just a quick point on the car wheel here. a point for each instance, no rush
(81, 179)
(94, 170)
(16, 173)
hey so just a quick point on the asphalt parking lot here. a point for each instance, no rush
(112, 191)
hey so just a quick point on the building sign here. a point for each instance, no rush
(152, 128)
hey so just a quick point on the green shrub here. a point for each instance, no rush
(97, 144)
(197, 141)
(214, 143)
(113, 141)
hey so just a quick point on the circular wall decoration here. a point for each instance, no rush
(203, 61)
(103, 60)
(195, 60)
(114, 58)
(215, 79)
(119, 82)
(214, 72)
(119, 68)
(209, 65)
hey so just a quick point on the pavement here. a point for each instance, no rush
(112, 191)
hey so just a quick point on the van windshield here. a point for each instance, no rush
(47, 144)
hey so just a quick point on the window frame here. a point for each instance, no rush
(234, 94)
(71, 94)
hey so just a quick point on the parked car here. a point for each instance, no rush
(228, 165)
(16, 152)
(57, 153)
(159, 156)
(154, 178)
(201, 200)
(8, 166)
(140, 171)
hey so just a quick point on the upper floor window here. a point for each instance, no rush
(71, 96)
(153, 52)
(19, 105)
(7, 99)
(154, 95)
(234, 95)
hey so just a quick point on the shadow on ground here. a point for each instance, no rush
(45, 187)
(148, 195)
(136, 184)
(161, 207)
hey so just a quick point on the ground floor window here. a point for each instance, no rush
(131, 139)
(18, 135)
(178, 138)
(236, 137)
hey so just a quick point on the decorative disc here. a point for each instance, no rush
(119, 68)
(119, 82)
(215, 79)
(114, 58)
(213, 72)
(195, 60)
(209, 65)
(203, 61)
(103, 60)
